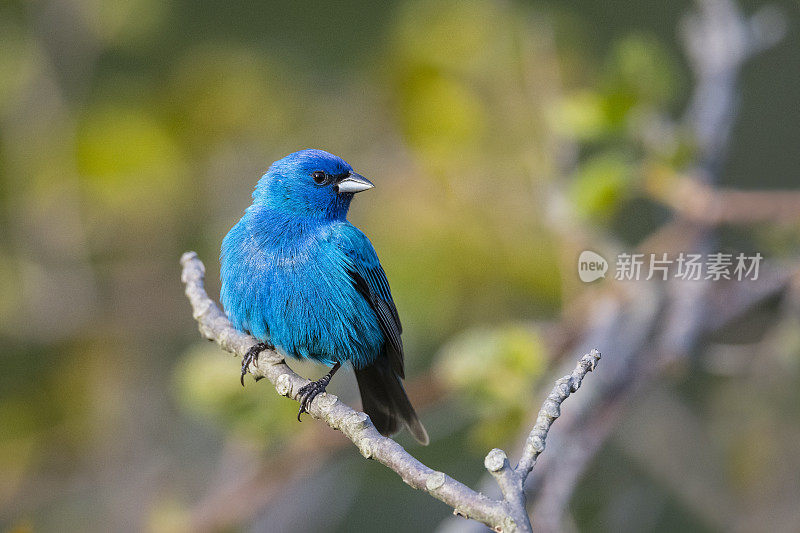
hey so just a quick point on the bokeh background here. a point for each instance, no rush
(504, 138)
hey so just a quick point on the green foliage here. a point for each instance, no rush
(618, 120)
(492, 370)
(640, 68)
(207, 386)
(450, 35)
(221, 91)
(18, 61)
(127, 157)
(19, 444)
(441, 115)
(582, 115)
(601, 184)
(126, 23)
(10, 304)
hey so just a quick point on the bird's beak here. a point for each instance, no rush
(354, 183)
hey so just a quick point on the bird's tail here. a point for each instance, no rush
(385, 401)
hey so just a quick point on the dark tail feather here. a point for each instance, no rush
(384, 400)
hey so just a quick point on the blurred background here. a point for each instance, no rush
(504, 137)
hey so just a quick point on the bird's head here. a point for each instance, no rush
(310, 183)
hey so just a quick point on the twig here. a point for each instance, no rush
(696, 201)
(505, 515)
(551, 409)
(253, 490)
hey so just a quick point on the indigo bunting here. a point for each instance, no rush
(300, 278)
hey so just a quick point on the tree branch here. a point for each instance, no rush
(551, 409)
(718, 40)
(695, 200)
(505, 515)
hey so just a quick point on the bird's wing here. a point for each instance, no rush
(370, 280)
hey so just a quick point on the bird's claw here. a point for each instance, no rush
(252, 356)
(309, 392)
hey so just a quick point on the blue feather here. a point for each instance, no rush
(286, 267)
(296, 274)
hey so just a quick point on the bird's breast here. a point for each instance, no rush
(303, 300)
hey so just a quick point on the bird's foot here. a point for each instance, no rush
(311, 391)
(252, 356)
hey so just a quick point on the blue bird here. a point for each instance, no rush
(300, 278)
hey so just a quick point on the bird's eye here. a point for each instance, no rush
(319, 177)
